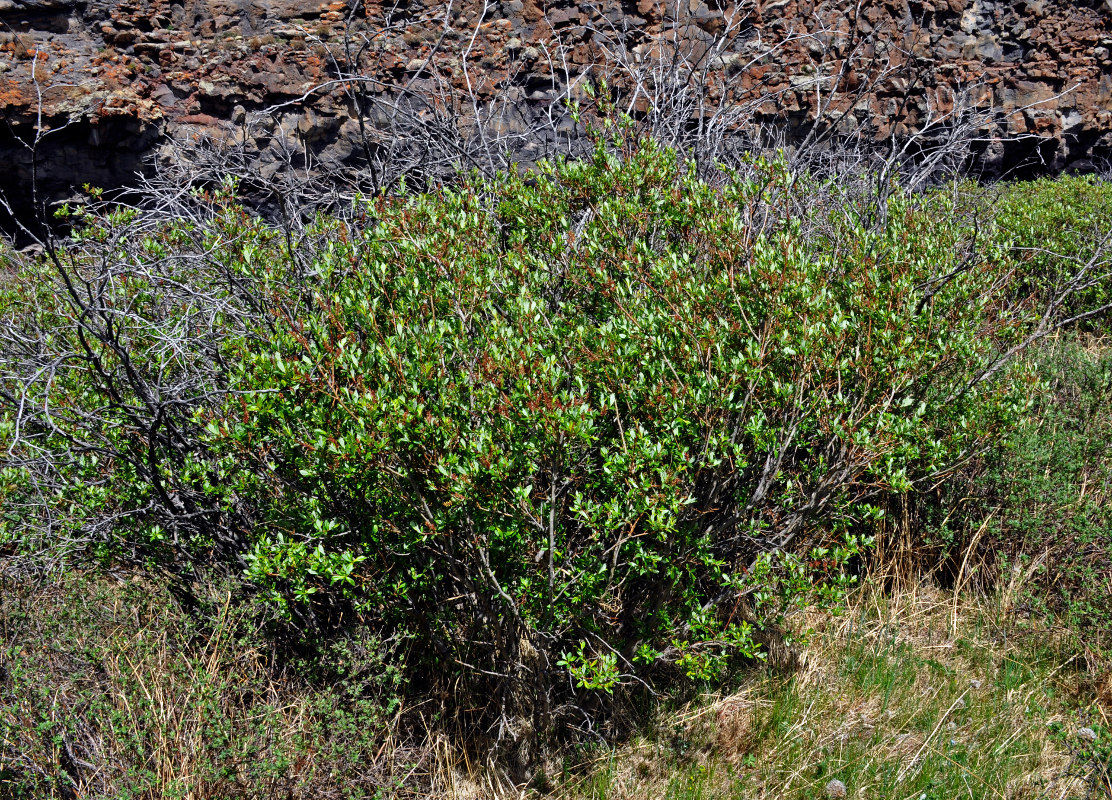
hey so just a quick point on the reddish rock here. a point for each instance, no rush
(131, 74)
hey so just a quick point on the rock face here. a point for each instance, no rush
(90, 90)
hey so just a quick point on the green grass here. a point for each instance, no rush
(909, 695)
(109, 690)
(915, 698)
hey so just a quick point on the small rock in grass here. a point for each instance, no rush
(1088, 734)
(976, 684)
(835, 789)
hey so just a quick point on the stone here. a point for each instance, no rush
(219, 57)
(561, 16)
(988, 49)
(1087, 734)
(835, 789)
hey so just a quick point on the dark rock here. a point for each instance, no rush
(125, 77)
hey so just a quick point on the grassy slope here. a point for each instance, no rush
(905, 695)
(920, 696)
(109, 690)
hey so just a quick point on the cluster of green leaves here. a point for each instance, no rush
(572, 421)
(1033, 505)
(569, 434)
(1055, 227)
(1044, 503)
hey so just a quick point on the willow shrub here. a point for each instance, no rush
(565, 439)
(1059, 231)
(578, 434)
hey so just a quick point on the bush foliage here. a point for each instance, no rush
(570, 436)
(1059, 229)
(1039, 507)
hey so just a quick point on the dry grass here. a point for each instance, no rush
(106, 692)
(921, 695)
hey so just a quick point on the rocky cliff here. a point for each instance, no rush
(91, 90)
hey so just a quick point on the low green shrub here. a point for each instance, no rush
(572, 437)
(1060, 228)
(110, 690)
(564, 433)
(1041, 501)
